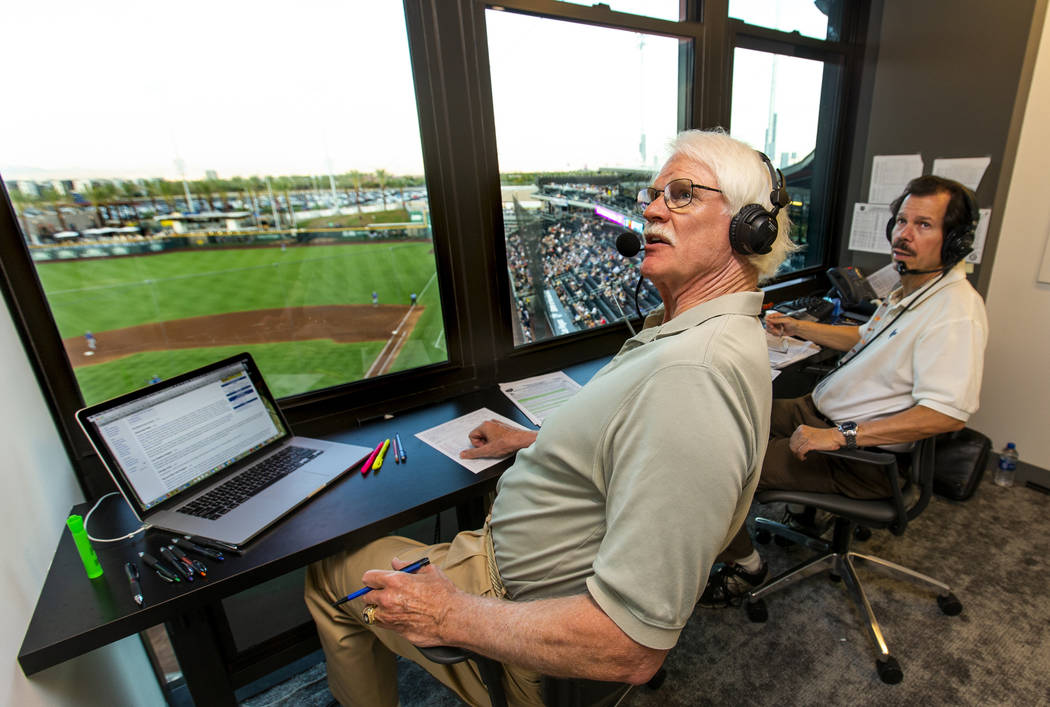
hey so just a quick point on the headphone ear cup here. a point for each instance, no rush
(889, 227)
(752, 230)
(957, 245)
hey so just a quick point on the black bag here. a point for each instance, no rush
(961, 458)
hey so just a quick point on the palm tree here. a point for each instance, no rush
(355, 175)
(96, 193)
(20, 200)
(381, 175)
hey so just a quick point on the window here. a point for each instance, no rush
(197, 180)
(580, 129)
(821, 19)
(778, 103)
(662, 9)
(243, 163)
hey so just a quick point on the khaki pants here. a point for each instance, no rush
(361, 664)
(781, 469)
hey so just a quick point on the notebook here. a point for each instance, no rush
(209, 453)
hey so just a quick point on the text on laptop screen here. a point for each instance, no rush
(169, 442)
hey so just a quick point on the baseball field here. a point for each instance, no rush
(305, 312)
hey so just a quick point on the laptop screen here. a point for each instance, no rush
(171, 439)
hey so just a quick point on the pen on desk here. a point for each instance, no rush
(185, 544)
(414, 567)
(214, 544)
(132, 571)
(162, 571)
(397, 458)
(367, 466)
(168, 555)
(378, 463)
(400, 447)
(193, 565)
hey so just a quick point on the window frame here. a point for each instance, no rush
(837, 119)
(449, 59)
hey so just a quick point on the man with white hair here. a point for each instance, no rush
(603, 530)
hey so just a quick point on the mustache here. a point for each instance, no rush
(903, 247)
(657, 230)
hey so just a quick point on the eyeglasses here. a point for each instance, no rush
(678, 194)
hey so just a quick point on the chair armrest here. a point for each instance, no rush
(444, 655)
(867, 456)
(887, 463)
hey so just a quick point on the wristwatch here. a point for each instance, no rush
(849, 431)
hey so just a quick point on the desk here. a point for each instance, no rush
(75, 615)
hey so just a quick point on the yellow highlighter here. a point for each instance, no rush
(379, 458)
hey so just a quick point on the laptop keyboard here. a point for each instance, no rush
(224, 498)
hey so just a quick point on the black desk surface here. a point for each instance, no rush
(75, 615)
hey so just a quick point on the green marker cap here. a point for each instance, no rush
(87, 553)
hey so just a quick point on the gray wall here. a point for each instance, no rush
(941, 79)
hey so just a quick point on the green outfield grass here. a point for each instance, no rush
(99, 295)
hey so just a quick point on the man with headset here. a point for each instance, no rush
(913, 371)
(603, 531)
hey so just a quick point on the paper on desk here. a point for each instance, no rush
(884, 280)
(968, 171)
(890, 174)
(788, 350)
(452, 437)
(539, 396)
(868, 232)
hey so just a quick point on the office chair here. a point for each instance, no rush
(557, 692)
(907, 502)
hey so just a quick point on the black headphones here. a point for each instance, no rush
(753, 229)
(958, 242)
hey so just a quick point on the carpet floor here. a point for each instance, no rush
(994, 550)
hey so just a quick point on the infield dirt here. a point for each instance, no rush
(341, 323)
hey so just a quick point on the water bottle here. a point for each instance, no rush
(1004, 475)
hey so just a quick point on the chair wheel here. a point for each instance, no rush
(757, 611)
(783, 542)
(834, 577)
(949, 604)
(889, 670)
(763, 536)
(861, 533)
(657, 680)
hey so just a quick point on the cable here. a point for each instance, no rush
(626, 319)
(144, 527)
(842, 362)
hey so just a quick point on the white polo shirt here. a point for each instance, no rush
(932, 355)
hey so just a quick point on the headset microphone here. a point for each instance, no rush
(629, 243)
(905, 270)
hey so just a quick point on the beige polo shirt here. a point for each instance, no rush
(636, 484)
(932, 355)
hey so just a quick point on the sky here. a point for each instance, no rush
(139, 89)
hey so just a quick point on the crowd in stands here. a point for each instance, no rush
(593, 282)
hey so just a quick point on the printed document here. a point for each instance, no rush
(539, 396)
(868, 232)
(452, 437)
(890, 174)
(968, 171)
(785, 350)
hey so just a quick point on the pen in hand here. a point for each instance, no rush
(414, 567)
(132, 571)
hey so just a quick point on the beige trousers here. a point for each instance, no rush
(361, 664)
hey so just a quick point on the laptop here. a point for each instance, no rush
(209, 453)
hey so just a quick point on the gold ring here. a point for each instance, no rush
(369, 614)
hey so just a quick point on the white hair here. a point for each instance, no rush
(744, 179)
